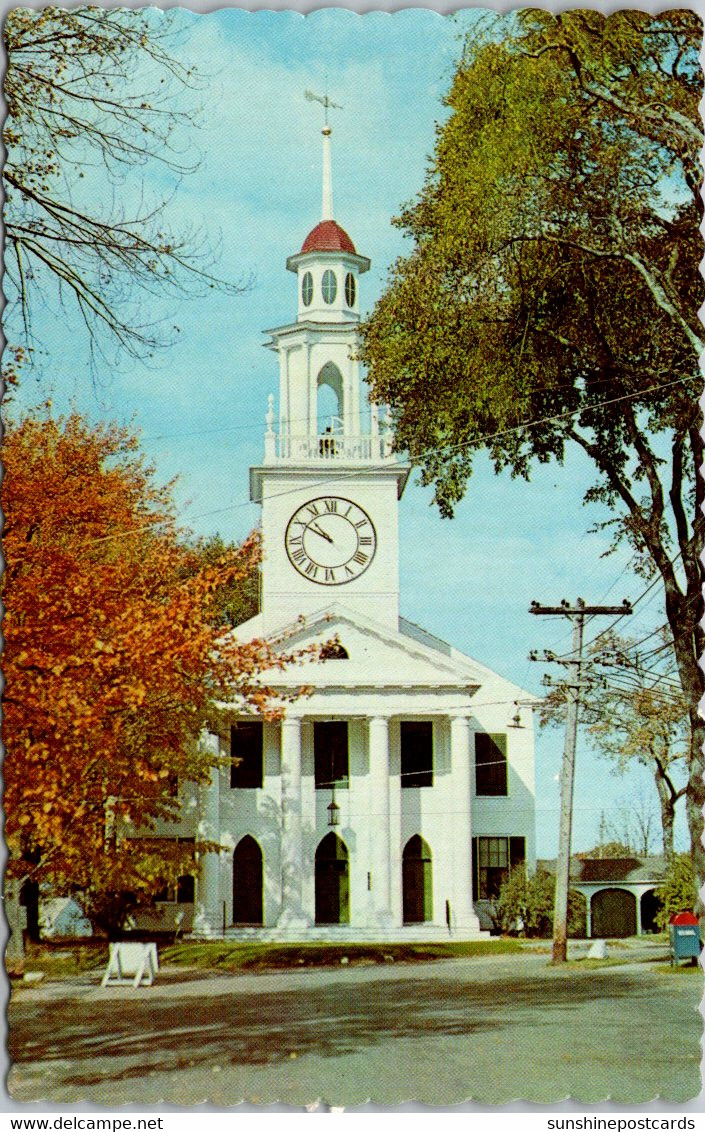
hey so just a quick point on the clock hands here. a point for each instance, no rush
(318, 531)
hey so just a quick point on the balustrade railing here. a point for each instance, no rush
(331, 446)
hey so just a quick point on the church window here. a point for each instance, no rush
(493, 860)
(330, 754)
(329, 286)
(490, 764)
(185, 889)
(333, 650)
(307, 289)
(416, 753)
(180, 889)
(246, 749)
(350, 289)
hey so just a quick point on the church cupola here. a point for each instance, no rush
(328, 266)
(324, 412)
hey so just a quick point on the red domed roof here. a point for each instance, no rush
(328, 237)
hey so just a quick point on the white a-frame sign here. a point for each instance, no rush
(134, 964)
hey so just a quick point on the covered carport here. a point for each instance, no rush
(619, 893)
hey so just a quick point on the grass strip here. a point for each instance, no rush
(76, 958)
(234, 956)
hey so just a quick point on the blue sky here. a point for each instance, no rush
(200, 404)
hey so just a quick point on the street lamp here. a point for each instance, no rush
(333, 809)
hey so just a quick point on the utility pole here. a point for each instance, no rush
(577, 615)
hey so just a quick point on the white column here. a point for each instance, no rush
(380, 841)
(355, 423)
(463, 912)
(312, 397)
(284, 406)
(208, 919)
(292, 913)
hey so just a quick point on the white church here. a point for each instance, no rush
(390, 802)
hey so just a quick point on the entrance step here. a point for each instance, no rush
(338, 933)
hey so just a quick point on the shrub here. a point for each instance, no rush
(678, 892)
(525, 905)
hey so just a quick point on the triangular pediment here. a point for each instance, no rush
(376, 656)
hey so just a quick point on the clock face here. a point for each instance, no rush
(330, 540)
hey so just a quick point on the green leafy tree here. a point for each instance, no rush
(678, 892)
(551, 297)
(234, 602)
(526, 901)
(94, 102)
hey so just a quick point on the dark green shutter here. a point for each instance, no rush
(517, 851)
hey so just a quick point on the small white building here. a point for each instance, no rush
(391, 801)
(63, 916)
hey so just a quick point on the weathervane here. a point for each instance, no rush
(325, 102)
(327, 200)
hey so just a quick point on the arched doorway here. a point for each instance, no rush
(29, 898)
(332, 881)
(650, 905)
(247, 883)
(417, 882)
(613, 913)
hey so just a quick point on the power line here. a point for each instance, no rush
(247, 427)
(633, 604)
(355, 472)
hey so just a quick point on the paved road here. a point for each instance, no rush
(493, 1030)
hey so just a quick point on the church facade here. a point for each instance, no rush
(394, 797)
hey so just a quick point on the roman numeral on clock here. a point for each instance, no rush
(360, 558)
(331, 505)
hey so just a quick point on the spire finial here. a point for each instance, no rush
(326, 103)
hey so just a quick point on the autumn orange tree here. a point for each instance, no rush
(115, 654)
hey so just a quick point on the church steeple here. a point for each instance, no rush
(330, 456)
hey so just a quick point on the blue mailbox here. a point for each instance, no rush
(685, 936)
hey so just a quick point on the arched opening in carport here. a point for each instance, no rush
(650, 906)
(613, 913)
